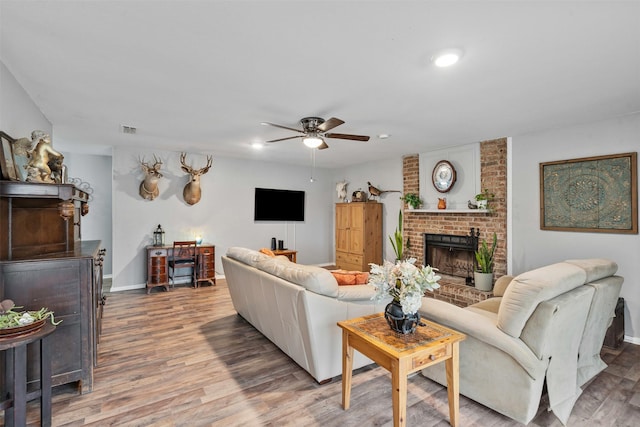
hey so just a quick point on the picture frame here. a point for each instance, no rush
(7, 165)
(590, 194)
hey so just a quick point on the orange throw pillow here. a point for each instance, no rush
(267, 252)
(346, 278)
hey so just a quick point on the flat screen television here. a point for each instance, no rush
(278, 205)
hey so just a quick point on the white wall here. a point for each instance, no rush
(94, 170)
(19, 115)
(224, 215)
(533, 247)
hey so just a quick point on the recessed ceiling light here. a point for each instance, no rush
(447, 57)
(384, 136)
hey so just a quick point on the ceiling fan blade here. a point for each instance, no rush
(281, 127)
(347, 136)
(284, 139)
(330, 124)
(323, 146)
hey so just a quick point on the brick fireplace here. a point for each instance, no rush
(493, 175)
(450, 254)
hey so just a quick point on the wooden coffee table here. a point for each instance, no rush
(401, 355)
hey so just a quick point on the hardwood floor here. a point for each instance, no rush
(185, 358)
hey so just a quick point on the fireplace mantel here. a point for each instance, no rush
(449, 211)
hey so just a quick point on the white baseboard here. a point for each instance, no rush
(144, 285)
(127, 288)
(632, 340)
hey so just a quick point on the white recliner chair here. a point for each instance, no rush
(545, 325)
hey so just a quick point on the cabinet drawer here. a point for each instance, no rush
(205, 259)
(160, 252)
(437, 355)
(158, 261)
(347, 258)
(206, 251)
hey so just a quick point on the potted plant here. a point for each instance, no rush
(396, 239)
(483, 276)
(413, 200)
(484, 198)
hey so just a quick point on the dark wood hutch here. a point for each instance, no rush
(45, 263)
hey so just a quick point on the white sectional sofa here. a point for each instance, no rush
(297, 307)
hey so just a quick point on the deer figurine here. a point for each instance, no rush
(192, 191)
(149, 186)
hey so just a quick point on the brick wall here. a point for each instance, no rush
(493, 171)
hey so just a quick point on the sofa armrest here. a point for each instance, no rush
(481, 328)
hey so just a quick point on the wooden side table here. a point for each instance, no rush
(292, 255)
(16, 376)
(401, 355)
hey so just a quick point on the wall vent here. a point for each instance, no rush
(128, 129)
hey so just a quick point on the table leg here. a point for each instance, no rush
(347, 369)
(17, 414)
(45, 382)
(399, 393)
(453, 385)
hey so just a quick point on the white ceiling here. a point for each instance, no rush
(200, 76)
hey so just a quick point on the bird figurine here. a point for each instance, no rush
(376, 192)
(341, 188)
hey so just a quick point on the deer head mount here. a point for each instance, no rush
(192, 191)
(149, 186)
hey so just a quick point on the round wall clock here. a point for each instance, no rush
(443, 176)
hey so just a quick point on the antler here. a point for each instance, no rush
(145, 165)
(157, 164)
(185, 167)
(189, 169)
(206, 168)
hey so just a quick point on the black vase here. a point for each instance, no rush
(399, 321)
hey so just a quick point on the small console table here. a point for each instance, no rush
(16, 376)
(158, 265)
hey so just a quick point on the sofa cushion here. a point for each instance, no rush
(492, 305)
(356, 293)
(312, 278)
(245, 255)
(347, 278)
(501, 285)
(527, 290)
(596, 268)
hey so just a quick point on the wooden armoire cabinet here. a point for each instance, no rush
(358, 235)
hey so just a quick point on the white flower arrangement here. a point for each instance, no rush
(404, 282)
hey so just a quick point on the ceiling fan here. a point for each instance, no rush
(315, 129)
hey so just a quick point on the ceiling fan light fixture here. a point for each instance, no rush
(447, 57)
(312, 141)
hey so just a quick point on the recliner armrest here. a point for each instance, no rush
(481, 328)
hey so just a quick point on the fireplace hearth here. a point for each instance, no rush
(451, 254)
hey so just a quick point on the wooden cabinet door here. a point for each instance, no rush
(342, 227)
(356, 228)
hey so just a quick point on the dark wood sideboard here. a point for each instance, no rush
(44, 263)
